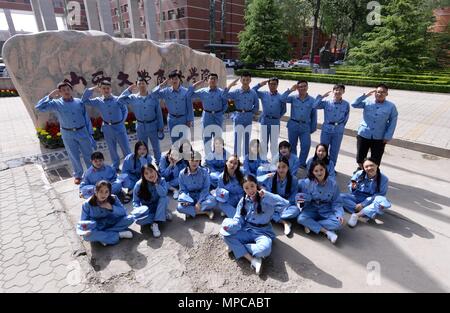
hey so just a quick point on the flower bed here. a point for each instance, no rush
(8, 93)
(50, 135)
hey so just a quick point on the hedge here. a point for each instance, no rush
(416, 85)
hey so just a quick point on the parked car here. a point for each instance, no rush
(238, 64)
(229, 62)
(339, 62)
(281, 64)
(304, 63)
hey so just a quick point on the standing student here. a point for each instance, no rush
(100, 171)
(179, 104)
(321, 154)
(247, 105)
(214, 107)
(114, 115)
(230, 180)
(76, 127)
(253, 160)
(249, 233)
(151, 192)
(215, 160)
(378, 124)
(194, 198)
(273, 109)
(368, 189)
(103, 218)
(149, 118)
(133, 164)
(336, 114)
(323, 212)
(285, 185)
(303, 119)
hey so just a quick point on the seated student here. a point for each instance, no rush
(194, 183)
(97, 172)
(322, 155)
(103, 218)
(284, 149)
(285, 185)
(170, 167)
(133, 163)
(367, 195)
(253, 160)
(322, 212)
(215, 160)
(249, 233)
(151, 192)
(229, 188)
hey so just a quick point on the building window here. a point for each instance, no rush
(164, 16)
(124, 8)
(116, 11)
(180, 13)
(182, 34)
(171, 15)
(172, 35)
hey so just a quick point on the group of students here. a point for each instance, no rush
(249, 196)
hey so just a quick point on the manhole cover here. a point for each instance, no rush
(57, 174)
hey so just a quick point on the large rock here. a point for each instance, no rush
(37, 62)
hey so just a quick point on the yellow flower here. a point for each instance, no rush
(126, 123)
(58, 134)
(44, 132)
(38, 129)
(134, 122)
(95, 128)
(49, 137)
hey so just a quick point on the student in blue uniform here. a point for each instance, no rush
(215, 161)
(378, 125)
(149, 118)
(284, 149)
(170, 166)
(133, 163)
(336, 114)
(151, 192)
(194, 196)
(231, 180)
(247, 105)
(214, 107)
(103, 218)
(303, 119)
(253, 160)
(100, 171)
(76, 127)
(285, 185)
(367, 197)
(322, 155)
(114, 115)
(249, 233)
(273, 109)
(323, 211)
(178, 102)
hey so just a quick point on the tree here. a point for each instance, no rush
(263, 38)
(400, 43)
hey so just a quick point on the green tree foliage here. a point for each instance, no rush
(264, 37)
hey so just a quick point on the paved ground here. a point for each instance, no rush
(410, 249)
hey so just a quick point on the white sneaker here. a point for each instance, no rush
(353, 220)
(103, 244)
(256, 264)
(307, 230)
(287, 228)
(176, 193)
(126, 234)
(332, 236)
(222, 214)
(155, 230)
(211, 215)
(169, 216)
